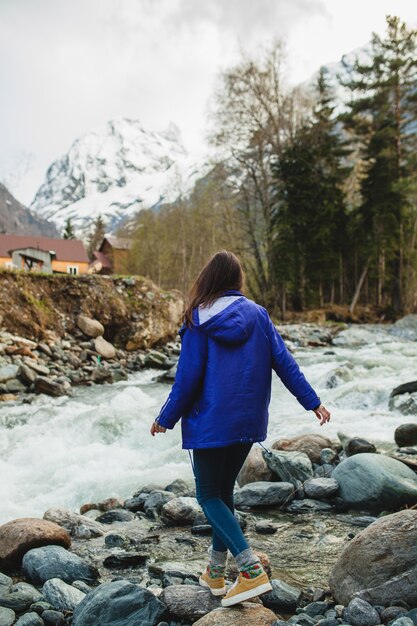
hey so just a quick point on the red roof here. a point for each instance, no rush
(103, 258)
(65, 249)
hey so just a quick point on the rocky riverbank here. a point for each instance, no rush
(334, 523)
(57, 331)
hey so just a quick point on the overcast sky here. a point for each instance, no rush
(67, 66)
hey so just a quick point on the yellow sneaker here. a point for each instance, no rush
(216, 585)
(245, 588)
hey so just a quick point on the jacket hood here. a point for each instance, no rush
(232, 325)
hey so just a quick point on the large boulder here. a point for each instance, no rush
(180, 511)
(311, 444)
(254, 469)
(119, 603)
(244, 613)
(89, 326)
(380, 564)
(289, 466)
(104, 348)
(406, 435)
(375, 482)
(62, 596)
(41, 564)
(189, 602)
(283, 596)
(23, 534)
(263, 493)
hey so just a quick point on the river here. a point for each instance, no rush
(96, 444)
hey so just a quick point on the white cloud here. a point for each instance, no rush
(67, 66)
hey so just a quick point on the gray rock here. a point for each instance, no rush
(263, 493)
(73, 521)
(30, 619)
(90, 327)
(265, 527)
(116, 515)
(308, 505)
(412, 615)
(361, 613)
(104, 348)
(40, 606)
(327, 455)
(119, 603)
(406, 327)
(391, 613)
(38, 368)
(187, 602)
(323, 471)
(125, 559)
(375, 481)
(101, 375)
(154, 358)
(8, 372)
(321, 488)
(289, 466)
(49, 387)
(410, 387)
(283, 596)
(179, 487)
(315, 608)
(406, 435)
(5, 583)
(379, 564)
(19, 597)
(53, 618)
(406, 404)
(7, 616)
(181, 510)
(358, 446)
(26, 374)
(62, 596)
(41, 564)
(403, 621)
(155, 501)
(136, 503)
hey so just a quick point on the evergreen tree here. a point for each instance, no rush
(382, 116)
(69, 230)
(311, 223)
(96, 235)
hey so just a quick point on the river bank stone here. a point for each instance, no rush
(23, 534)
(30, 619)
(73, 521)
(375, 481)
(263, 493)
(379, 565)
(308, 506)
(41, 564)
(179, 487)
(155, 501)
(116, 515)
(90, 327)
(7, 616)
(289, 466)
(20, 597)
(188, 602)
(361, 613)
(283, 596)
(243, 613)
(5, 583)
(104, 348)
(356, 445)
(49, 387)
(406, 435)
(321, 488)
(119, 603)
(405, 403)
(254, 469)
(62, 596)
(180, 511)
(311, 444)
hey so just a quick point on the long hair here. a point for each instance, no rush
(223, 271)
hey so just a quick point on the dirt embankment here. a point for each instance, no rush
(133, 310)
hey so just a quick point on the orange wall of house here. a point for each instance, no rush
(4, 260)
(61, 266)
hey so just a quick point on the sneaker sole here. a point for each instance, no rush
(247, 595)
(216, 592)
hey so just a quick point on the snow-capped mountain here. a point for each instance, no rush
(114, 171)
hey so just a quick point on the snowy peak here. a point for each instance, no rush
(114, 171)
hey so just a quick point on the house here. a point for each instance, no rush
(43, 254)
(112, 257)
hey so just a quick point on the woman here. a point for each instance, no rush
(222, 391)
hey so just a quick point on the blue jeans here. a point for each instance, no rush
(215, 471)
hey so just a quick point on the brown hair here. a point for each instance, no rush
(222, 271)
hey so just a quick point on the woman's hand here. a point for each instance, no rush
(156, 428)
(322, 414)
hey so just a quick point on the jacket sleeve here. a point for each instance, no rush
(289, 371)
(188, 378)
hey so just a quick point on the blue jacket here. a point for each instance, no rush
(222, 386)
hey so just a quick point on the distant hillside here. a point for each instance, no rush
(17, 219)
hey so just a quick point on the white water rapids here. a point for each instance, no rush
(71, 450)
